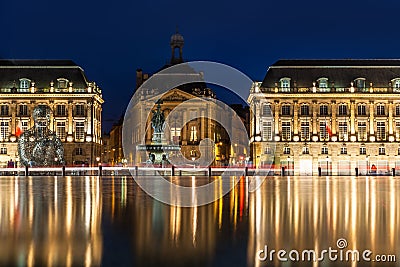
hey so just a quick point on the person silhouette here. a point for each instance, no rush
(39, 146)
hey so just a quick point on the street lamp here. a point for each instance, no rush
(98, 159)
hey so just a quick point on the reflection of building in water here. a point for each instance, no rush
(54, 222)
(76, 106)
(337, 115)
(313, 214)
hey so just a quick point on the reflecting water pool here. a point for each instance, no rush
(289, 221)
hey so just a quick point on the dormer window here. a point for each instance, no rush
(24, 84)
(285, 84)
(396, 85)
(359, 83)
(323, 84)
(62, 83)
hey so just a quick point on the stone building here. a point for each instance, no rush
(75, 102)
(333, 117)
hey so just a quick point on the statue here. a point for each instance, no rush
(157, 122)
(39, 146)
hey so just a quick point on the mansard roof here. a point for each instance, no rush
(42, 72)
(302, 73)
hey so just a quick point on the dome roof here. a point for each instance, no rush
(177, 39)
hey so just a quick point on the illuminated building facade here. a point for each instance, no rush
(193, 132)
(328, 117)
(75, 102)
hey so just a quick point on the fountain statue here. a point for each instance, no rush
(39, 146)
(158, 149)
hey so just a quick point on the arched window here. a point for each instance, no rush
(62, 83)
(396, 85)
(285, 84)
(24, 84)
(359, 83)
(323, 84)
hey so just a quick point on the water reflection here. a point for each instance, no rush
(50, 221)
(304, 214)
(110, 221)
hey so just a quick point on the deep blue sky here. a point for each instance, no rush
(111, 39)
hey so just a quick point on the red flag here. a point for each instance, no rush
(328, 129)
(18, 130)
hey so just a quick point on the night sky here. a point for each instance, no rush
(111, 39)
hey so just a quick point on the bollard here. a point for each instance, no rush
(246, 171)
(356, 171)
(172, 170)
(136, 171)
(393, 172)
(283, 171)
(26, 171)
(100, 170)
(209, 171)
(319, 171)
(63, 170)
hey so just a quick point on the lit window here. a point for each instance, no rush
(396, 85)
(24, 125)
(60, 130)
(304, 110)
(324, 150)
(285, 85)
(323, 131)
(175, 134)
(398, 110)
(193, 133)
(3, 150)
(305, 150)
(268, 150)
(343, 150)
(323, 85)
(24, 84)
(323, 110)
(4, 130)
(381, 150)
(360, 84)
(397, 129)
(286, 150)
(286, 131)
(380, 130)
(267, 130)
(342, 110)
(380, 110)
(62, 83)
(363, 150)
(79, 130)
(285, 110)
(343, 130)
(362, 130)
(305, 130)
(362, 111)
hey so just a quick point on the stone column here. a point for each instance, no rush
(314, 118)
(276, 118)
(352, 118)
(70, 121)
(295, 118)
(390, 118)
(371, 118)
(333, 111)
